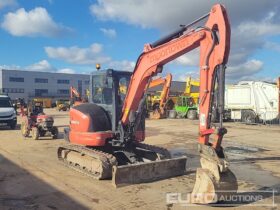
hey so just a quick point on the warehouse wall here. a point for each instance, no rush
(29, 84)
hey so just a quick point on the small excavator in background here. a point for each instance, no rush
(106, 134)
(75, 97)
(160, 105)
(192, 89)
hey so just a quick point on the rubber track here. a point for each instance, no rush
(106, 159)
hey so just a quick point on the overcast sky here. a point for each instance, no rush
(72, 36)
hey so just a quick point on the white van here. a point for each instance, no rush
(8, 115)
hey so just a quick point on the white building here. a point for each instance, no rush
(30, 84)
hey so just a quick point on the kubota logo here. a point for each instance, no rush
(168, 51)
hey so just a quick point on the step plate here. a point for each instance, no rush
(148, 172)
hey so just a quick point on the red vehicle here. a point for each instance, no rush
(106, 134)
(36, 122)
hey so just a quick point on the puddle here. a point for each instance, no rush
(248, 171)
(178, 152)
(193, 161)
(251, 173)
(243, 149)
(244, 171)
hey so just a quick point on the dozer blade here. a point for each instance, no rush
(148, 172)
(214, 180)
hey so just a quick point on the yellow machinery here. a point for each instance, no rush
(192, 89)
(47, 102)
(158, 104)
(62, 104)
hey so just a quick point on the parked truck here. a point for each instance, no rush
(252, 102)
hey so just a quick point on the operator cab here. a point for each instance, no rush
(108, 89)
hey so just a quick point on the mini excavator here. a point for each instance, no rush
(159, 108)
(105, 135)
(75, 97)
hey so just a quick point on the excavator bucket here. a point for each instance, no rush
(214, 181)
(148, 172)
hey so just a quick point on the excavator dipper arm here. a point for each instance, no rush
(166, 82)
(214, 41)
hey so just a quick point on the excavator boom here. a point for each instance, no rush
(213, 39)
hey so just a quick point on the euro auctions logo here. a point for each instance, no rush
(224, 198)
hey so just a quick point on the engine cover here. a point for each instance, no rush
(89, 117)
(90, 125)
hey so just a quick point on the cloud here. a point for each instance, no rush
(42, 65)
(124, 65)
(149, 14)
(6, 3)
(36, 22)
(109, 32)
(190, 59)
(66, 71)
(77, 55)
(182, 76)
(244, 70)
(88, 56)
(251, 23)
(261, 28)
(10, 67)
(272, 46)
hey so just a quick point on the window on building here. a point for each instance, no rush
(63, 91)
(80, 86)
(16, 79)
(41, 80)
(13, 90)
(63, 81)
(41, 92)
(87, 82)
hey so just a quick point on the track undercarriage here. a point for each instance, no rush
(140, 163)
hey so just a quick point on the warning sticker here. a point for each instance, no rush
(202, 119)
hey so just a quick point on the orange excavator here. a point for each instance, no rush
(75, 96)
(106, 135)
(159, 109)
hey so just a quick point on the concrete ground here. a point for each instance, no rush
(32, 178)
